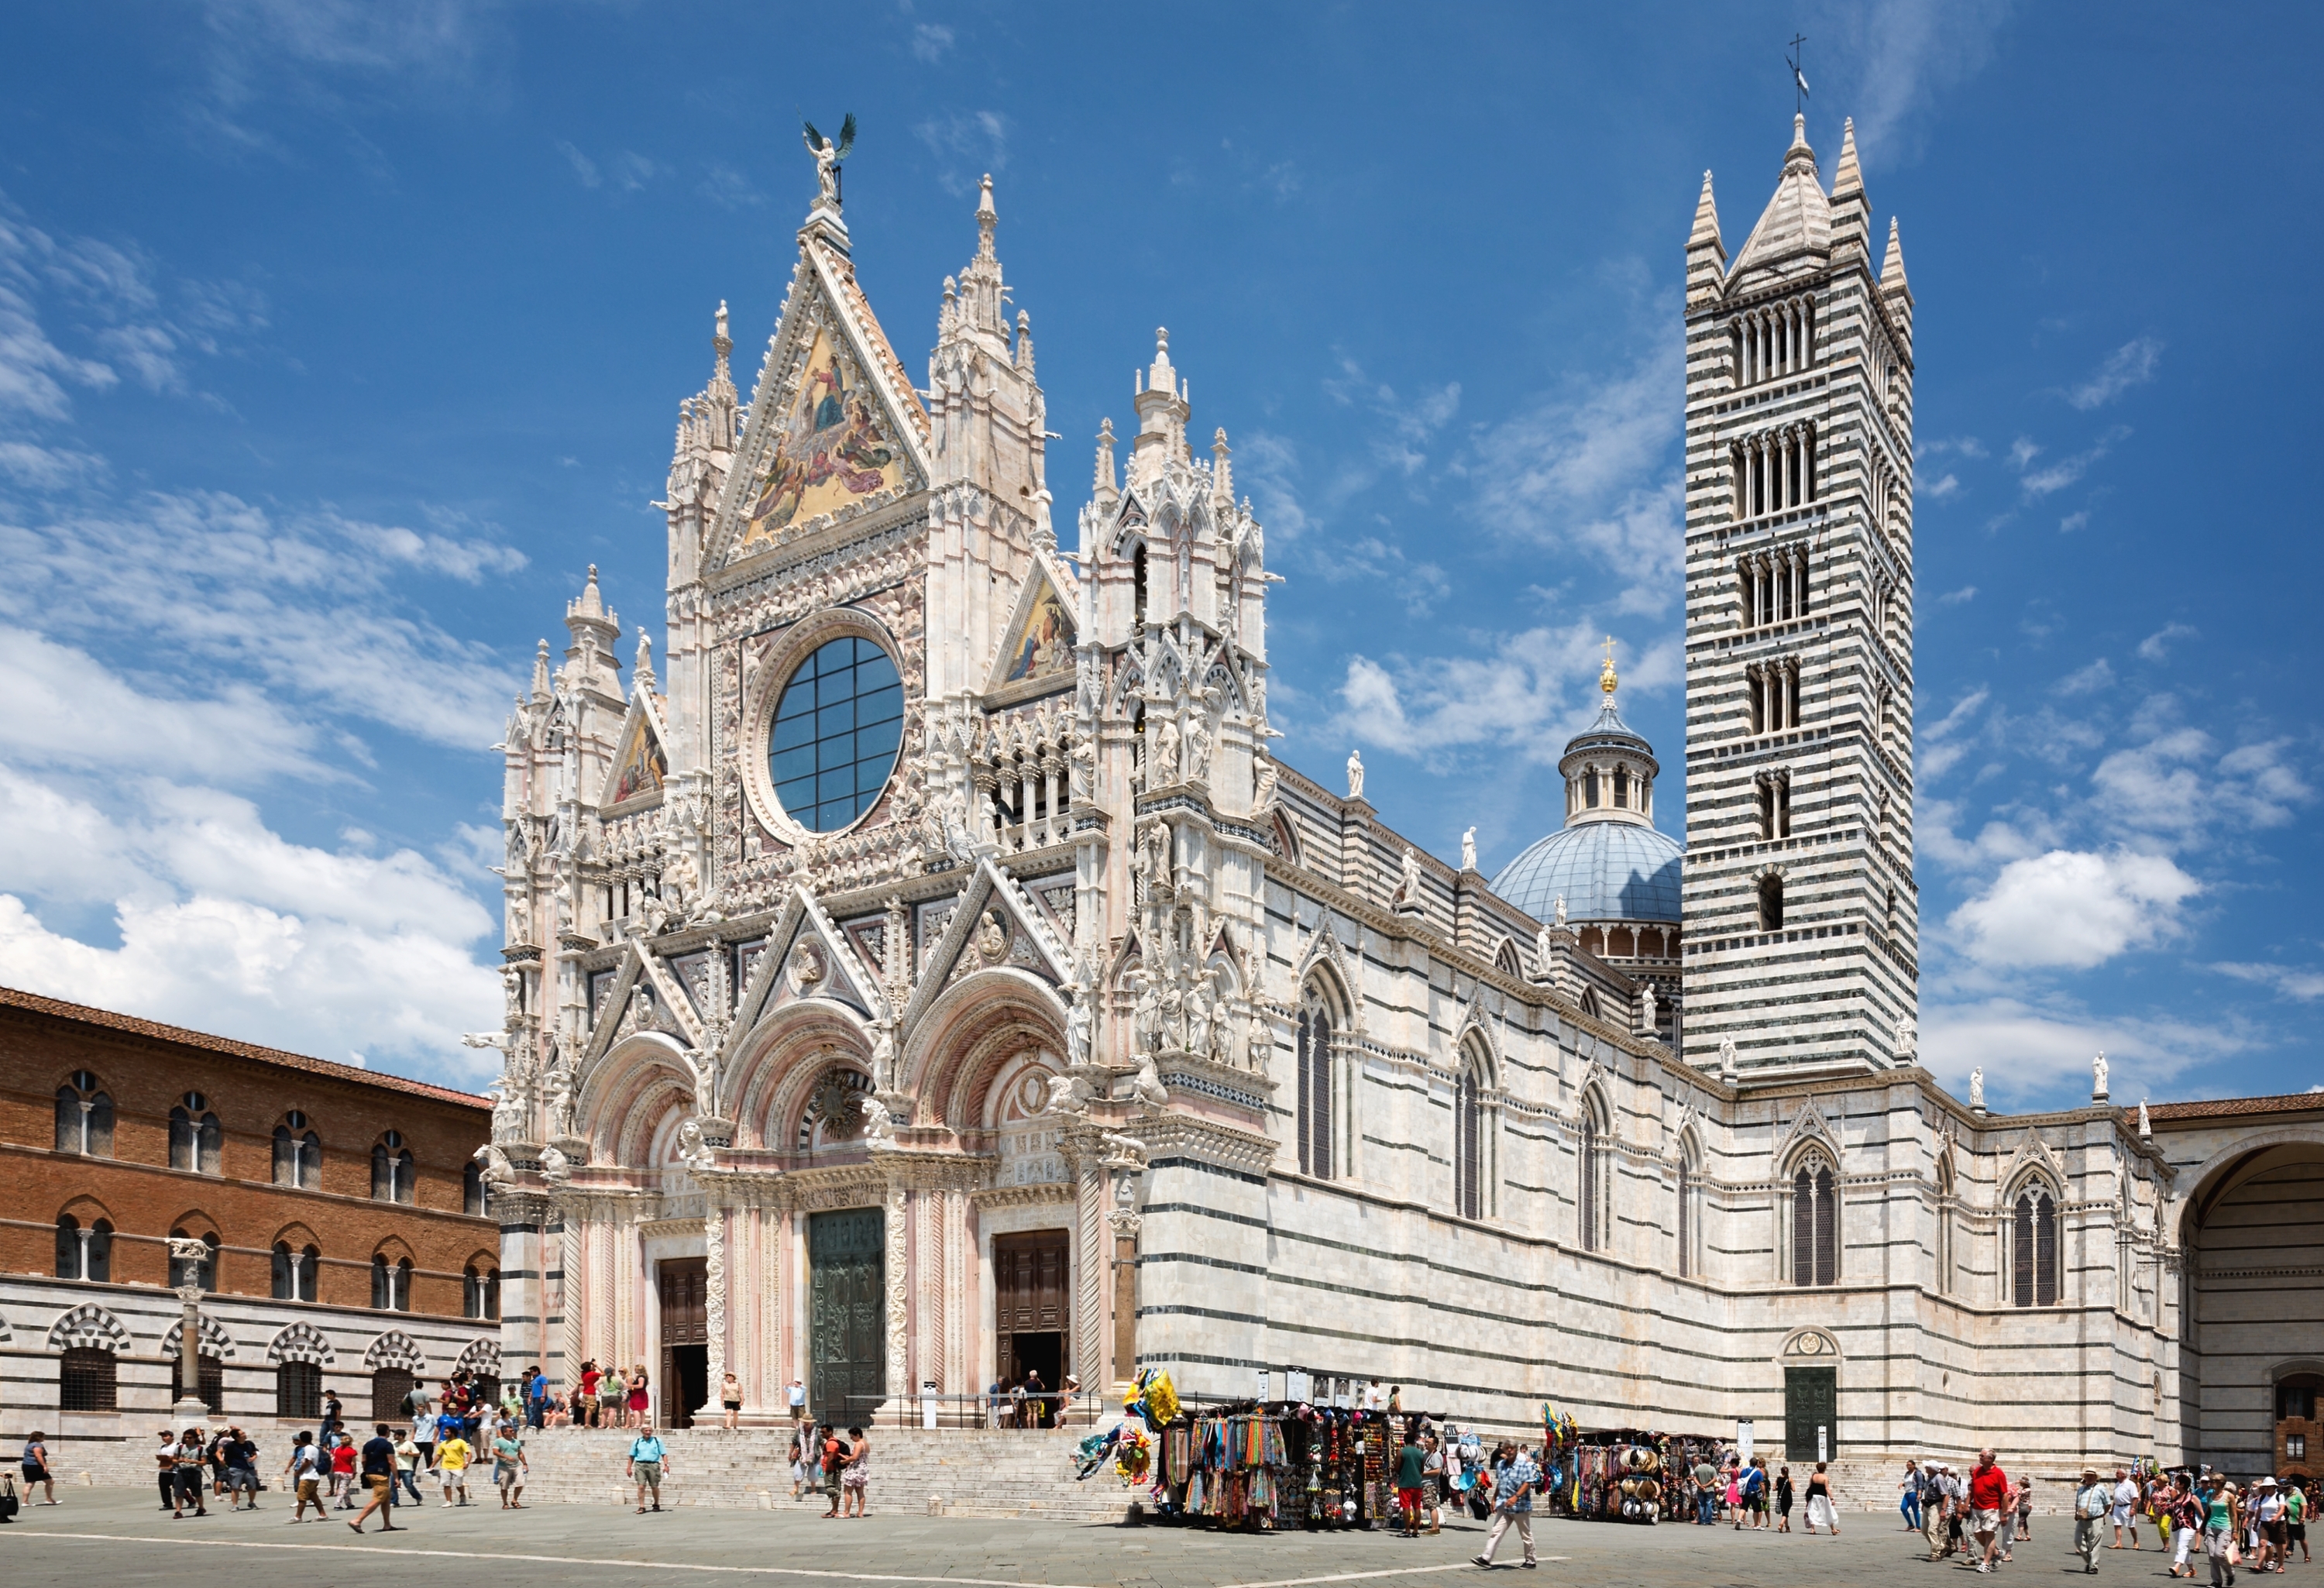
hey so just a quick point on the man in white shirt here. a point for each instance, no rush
(796, 1396)
(2125, 1509)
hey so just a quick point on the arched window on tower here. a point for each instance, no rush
(1815, 1224)
(1594, 1219)
(1137, 586)
(2033, 1248)
(84, 1117)
(1771, 903)
(1315, 1090)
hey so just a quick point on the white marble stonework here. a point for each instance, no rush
(1090, 960)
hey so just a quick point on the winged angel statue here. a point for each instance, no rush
(827, 156)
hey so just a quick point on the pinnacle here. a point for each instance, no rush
(1706, 217)
(1848, 177)
(1892, 268)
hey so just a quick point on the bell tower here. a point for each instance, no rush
(1801, 914)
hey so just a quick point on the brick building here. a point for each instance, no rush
(345, 1209)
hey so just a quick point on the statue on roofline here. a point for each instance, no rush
(828, 157)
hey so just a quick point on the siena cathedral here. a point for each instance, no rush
(925, 972)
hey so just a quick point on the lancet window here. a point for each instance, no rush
(1594, 1192)
(1773, 695)
(1775, 790)
(1815, 1223)
(1314, 1060)
(2033, 1248)
(1773, 587)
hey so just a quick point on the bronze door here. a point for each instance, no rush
(847, 1333)
(685, 1336)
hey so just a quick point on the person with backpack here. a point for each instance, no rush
(649, 1461)
(834, 1455)
(1751, 1496)
(187, 1460)
(305, 1471)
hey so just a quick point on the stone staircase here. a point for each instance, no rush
(956, 1473)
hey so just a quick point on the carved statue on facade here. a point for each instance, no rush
(1264, 782)
(499, 1174)
(1908, 1038)
(1408, 885)
(1469, 850)
(1559, 913)
(1727, 1056)
(2098, 1076)
(879, 1130)
(1647, 1026)
(827, 156)
(694, 1149)
(1082, 762)
(2145, 1126)
(1199, 999)
(1544, 954)
(1258, 1042)
(1147, 1087)
(555, 1166)
(1068, 1095)
(1077, 1025)
(883, 1059)
(1355, 774)
(1165, 769)
(558, 1084)
(1977, 1089)
(705, 1067)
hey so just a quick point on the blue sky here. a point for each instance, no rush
(336, 341)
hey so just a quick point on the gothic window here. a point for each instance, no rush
(1469, 1142)
(87, 1380)
(295, 1272)
(201, 1271)
(1138, 587)
(1945, 1253)
(1315, 1092)
(480, 1290)
(2033, 1248)
(471, 1188)
(836, 729)
(1771, 903)
(392, 1170)
(83, 1252)
(1594, 1223)
(84, 1117)
(1815, 1224)
(196, 1138)
(391, 1283)
(298, 1154)
(1690, 1209)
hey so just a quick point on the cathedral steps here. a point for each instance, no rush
(946, 1472)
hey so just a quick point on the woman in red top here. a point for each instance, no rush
(590, 1378)
(343, 1472)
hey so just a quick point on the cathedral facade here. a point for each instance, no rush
(925, 972)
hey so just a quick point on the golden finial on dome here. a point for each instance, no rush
(1606, 679)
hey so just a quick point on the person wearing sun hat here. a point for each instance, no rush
(2267, 1509)
(2092, 1500)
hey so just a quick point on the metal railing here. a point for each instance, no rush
(1049, 1411)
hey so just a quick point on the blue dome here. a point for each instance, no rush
(1606, 871)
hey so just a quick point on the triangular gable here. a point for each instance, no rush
(1808, 1124)
(673, 1014)
(2032, 1152)
(830, 969)
(834, 430)
(642, 765)
(1040, 642)
(1025, 941)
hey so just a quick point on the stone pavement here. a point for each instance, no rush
(118, 1538)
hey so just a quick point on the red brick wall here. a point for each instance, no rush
(147, 1075)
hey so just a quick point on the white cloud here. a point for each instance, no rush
(1956, 598)
(2057, 477)
(2157, 645)
(2302, 985)
(2098, 675)
(2072, 521)
(1517, 699)
(298, 604)
(1901, 54)
(225, 926)
(980, 138)
(930, 40)
(2131, 365)
(1420, 585)
(2176, 785)
(1943, 487)
(2073, 908)
(583, 168)
(729, 189)
(1592, 471)
(2037, 1056)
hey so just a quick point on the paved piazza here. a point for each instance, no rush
(116, 1537)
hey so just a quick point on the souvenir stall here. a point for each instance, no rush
(1229, 1466)
(1618, 1474)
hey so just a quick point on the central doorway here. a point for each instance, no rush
(1032, 1284)
(847, 1332)
(685, 1338)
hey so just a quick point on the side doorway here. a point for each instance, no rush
(685, 1338)
(1032, 1287)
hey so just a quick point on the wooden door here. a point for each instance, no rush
(1032, 1290)
(684, 1283)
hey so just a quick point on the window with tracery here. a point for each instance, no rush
(2033, 1248)
(1468, 1144)
(197, 1140)
(1315, 1104)
(298, 1153)
(295, 1272)
(1595, 1193)
(1815, 1224)
(392, 1169)
(1689, 1212)
(84, 1117)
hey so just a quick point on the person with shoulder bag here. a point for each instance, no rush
(2092, 1500)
